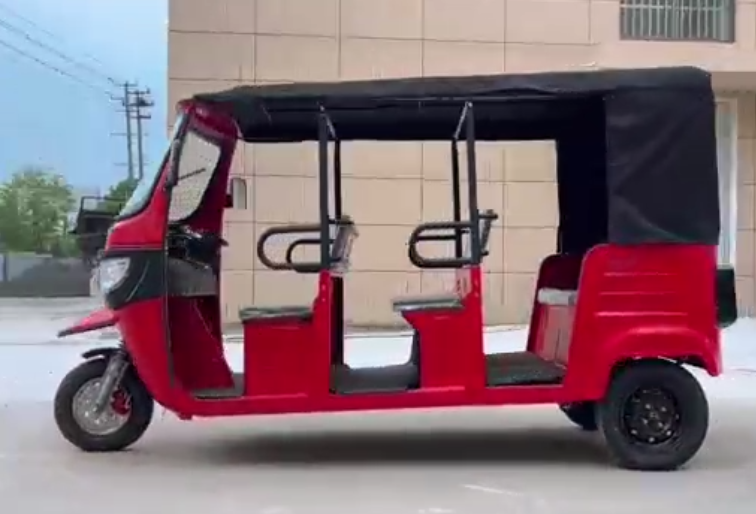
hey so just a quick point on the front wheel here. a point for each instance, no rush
(121, 424)
(655, 416)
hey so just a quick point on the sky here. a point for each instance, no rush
(68, 124)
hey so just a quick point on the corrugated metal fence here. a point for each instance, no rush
(680, 20)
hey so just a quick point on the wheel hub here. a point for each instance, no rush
(111, 419)
(652, 417)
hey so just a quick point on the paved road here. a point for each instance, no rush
(476, 462)
(497, 461)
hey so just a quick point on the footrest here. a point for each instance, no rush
(286, 312)
(427, 303)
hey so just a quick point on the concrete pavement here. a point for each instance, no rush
(470, 461)
(524, 460)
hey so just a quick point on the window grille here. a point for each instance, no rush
(678, 20)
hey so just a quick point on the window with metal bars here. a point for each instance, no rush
(678, 20)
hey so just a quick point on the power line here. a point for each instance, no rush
(11, 28)
(44, 31)
(54, 68)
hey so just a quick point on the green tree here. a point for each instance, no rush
(34, 208)
(118, 194)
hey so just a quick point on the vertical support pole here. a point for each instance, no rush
(337, 345)
(323, 189)
(472, 177)
(456, 200)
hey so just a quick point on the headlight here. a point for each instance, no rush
(112, 272)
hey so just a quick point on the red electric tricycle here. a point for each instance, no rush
(631, 295)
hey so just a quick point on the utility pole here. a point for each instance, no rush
(142, 102)
(128, 105)
(129, 144)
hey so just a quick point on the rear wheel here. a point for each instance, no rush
(583, 414)
(121, 424)
(655, 416)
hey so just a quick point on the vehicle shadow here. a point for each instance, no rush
(537, 446)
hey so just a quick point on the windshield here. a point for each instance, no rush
(198, 159)
(143, 190)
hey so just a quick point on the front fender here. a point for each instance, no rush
(97, 320)
(104, 352)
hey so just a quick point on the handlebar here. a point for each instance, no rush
(299, 267)
(458, 228)
(289, 264)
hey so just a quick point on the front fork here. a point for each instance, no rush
(118, 363)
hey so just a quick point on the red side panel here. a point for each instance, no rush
(98, 320)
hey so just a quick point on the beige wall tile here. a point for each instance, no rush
(747, 116)
(236, 290)
(375, 308)
(442, 58)
(548, 21)
(369, 159)
(467, 20)
(525, 248)
(604, 19)
(745, 25)
(381, 248)
(537, 57)
(489, 158)
(519, 291)
(240, 254)
(398, 19)
(297, 58)
(296, 160)
(744, 288)
(211, 56)
(747, 161)
(383, 201)
(746, 211)
(284, 288)
(212, 16)
(437, 200)
(745, 258)
(494, 312)
(530, 204)
(303, 17)
(285, 200)
(532, 161)
(366, 58)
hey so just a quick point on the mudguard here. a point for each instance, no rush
(98, 320)
(104, 352)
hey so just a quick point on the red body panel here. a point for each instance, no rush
(98, 320)
(632, 303)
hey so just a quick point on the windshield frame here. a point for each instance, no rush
(142, 195)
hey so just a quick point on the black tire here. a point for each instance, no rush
(669, 428)
(139, 414)
(583, 414)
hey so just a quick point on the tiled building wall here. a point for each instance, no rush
(389, 188)
(745, 259)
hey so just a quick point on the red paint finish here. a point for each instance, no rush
(632, 303)
(297, 363)
(451, 349)
(98, 320)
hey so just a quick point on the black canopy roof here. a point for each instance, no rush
(428, 108)
(644, 139)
